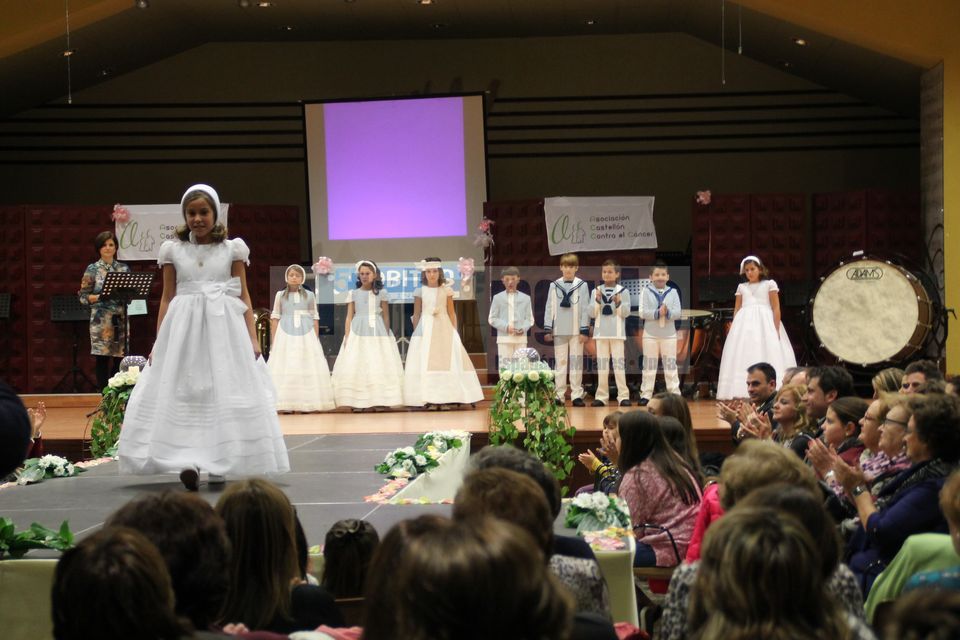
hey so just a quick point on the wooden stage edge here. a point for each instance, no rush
(67, 426)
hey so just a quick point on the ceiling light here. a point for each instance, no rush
(264, 5)
(424, 2)
(800, 42)
(786, 64)
(439, 25)
(68, 52)
(243, 4)
(142, 4)
(288, 28)
(590, 22)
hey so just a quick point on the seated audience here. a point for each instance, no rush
(790, 427)
(795, 375)
(193, 542)
(265, 591)
(841, 428)
(908, 503)
(605, 474)
(888, 380)
(347, 551)
(762, 389)
(676, 436)
(114, 585)
(761, 576)
(755, 465)
(674, 405)
(825, 384)
(15, 431)
(926, 559)
(486, 578)
(918, 374)
(660, 489)
(924, 615)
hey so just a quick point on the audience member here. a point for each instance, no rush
(606, 476)
(675, 406)
(924, 615)
(762, 389)
(265, 591)
(15, 430)
(434, 578)
(515, 498)
(907, 504)
(114, 585)
(841, 428)
(795, 375)
(825, 384)
(676, 436)
(918, 373)
(193, 542)
(347, 551)
(761, 576)
(887, 381)
(793, 429)
(660, 489)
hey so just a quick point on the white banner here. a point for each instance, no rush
(599, 224)
(149, 225)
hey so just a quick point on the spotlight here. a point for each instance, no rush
(800, 42)
(68, 52)
(142, 4)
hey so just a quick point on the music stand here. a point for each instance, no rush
(67, 308)
(124, 286)
(4, 306)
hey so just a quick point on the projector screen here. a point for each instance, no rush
(395, 180)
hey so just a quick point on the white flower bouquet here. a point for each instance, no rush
(424, 455)
(596, 511)
(39, 469)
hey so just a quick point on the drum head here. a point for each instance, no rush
(866, 311)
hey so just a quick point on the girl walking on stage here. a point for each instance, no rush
(368, 372)
(438, 372)
(205, 401)
(297, 363)
(756, 335)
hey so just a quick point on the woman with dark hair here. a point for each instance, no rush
(908, 504)
(675, 406)
(265, 591)
(114, 585)
(660, 489)
(477, 579)
(108, 327)
(347, 552)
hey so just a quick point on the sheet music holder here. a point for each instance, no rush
(67, 308)
(124, 286)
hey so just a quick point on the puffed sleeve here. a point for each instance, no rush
(418, 292)
(275, 314)
(239, 251)
(772, 286)
(166, 252)
(312, 301)
(350, 295)
(740, 289)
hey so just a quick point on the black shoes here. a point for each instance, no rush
(644, 402)
(578, 402)
(598, 403)
(190, 478)
(625, 403)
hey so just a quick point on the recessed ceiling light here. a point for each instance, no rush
(424, 2)
(142, 4)
(800, 42)
(590, 22)
(105, 72)
(439, 25)
(69, 52)
(286, 28)
(263, 4)
(243, 4)
(786, 64)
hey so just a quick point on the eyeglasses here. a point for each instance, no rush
(899, 422)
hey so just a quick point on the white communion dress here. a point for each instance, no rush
(753, 338)
(368, 371)
(438, 369)
(297, 364)
(204, 401)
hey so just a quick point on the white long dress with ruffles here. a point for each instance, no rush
(204, 401)
(368, 371)
(438, 368)
(297, 364)
(753, 339)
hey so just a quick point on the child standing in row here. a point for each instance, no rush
(659, 308)
(567, 324)
(438, 371)
(610, 309)
(511, 314)
(368, 372)
(756, 334)
(297, 363)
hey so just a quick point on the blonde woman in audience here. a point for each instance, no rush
(887, 381)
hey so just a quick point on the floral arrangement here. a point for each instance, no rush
(484, 237)
(39, 469)
(704, 197)
(596, 511)
(108, 419)
(15, 545)
(387, 491)
(609, 539)
(120, 214)
(323, 266)
(525, 395)
(424, 455)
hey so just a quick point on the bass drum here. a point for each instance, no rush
(871, 312)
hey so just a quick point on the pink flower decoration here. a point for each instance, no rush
(466, 267)
(485, 225)
(323, 266)
(120, 214)
(703, 197)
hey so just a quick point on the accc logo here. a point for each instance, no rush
(864, 273)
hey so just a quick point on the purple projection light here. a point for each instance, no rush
(395, 169)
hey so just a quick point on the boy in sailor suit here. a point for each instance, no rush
(511, 314)
(659, 308)
(610, 308)
(567, 323)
